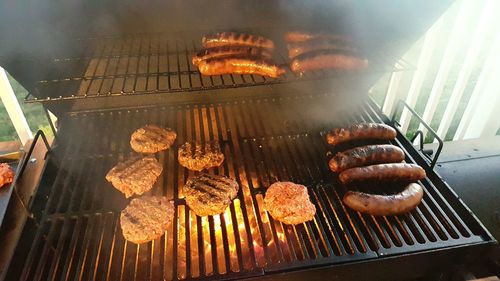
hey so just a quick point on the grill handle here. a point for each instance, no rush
(426, 152)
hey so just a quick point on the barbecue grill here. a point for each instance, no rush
(269, 129)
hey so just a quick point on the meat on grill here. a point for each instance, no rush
(200, 156)
(328, 59)
(146, 218)
(135, 175)
(299, 48)
(384, 205)
(6, 174)
(151, 139)
(236, 38)
(221, 51)
(240, 64)
(366, 155)
(394, 172)
(209, 195)
(289, 203)
(362, 131)
(302, 36)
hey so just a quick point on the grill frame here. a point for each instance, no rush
(238, 135)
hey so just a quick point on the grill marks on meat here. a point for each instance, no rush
(223, 51)
(240, 64)
(366, 155)
(289, 203)
(298, 48)
(362, 131)
(146, 218)
(135, 176)
(327, 59)
(152, 139)
(393, 172)
(236, 38)
(383, 205)
(6, 174)
(208, 195)
(200, 156)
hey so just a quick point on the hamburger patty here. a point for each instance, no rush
(146, 218)
(135, 175)
(6, 174)
(200, 156)
(289, 203)
(209, 195)
(151, 139)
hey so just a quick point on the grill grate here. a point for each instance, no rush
(157, 64)
(264, 140)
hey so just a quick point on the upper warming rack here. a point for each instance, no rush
(160, 64)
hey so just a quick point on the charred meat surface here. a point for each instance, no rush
(200, 156)
(209, 195)
(302, 36)
(394, 172)
(152, 139)
(366, 155)
(299, 48)
(146, 218)
(362, 131)
(135, 175)
(328, 59)
(289, 203)
(240, 64)
(236, 38)
(6, 174)
(385, 205)
(221, 51)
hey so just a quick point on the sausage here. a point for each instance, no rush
(327, 59)
(384, 205)
(236, 38)
(302, 36)
(240, 64)
(229, 50)
(298, 48)
(366, 155)
(393, 172)
(361, 131)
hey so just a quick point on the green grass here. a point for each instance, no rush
(34, 115)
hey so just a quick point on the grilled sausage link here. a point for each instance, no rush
(366, 155)
(299, 48)
(383, 172)
(384, 205)
(240, 64)
(229, 50)
(327, 59)
(236, 38)
(302, 36)
(361, 131)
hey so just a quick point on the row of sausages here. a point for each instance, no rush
(242, 53)
(375, 163)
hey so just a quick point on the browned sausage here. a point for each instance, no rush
(298, 48)
(361, 131)
(366, 155)
(302, 36)
(327, 59)
(383, 172)
(240, 64)
(236, 38)
(229, 50)
(385, 205)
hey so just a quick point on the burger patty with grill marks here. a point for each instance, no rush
(209, 195)
(151, 139)
(135, 176)
(146, 218)
(200, 156)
